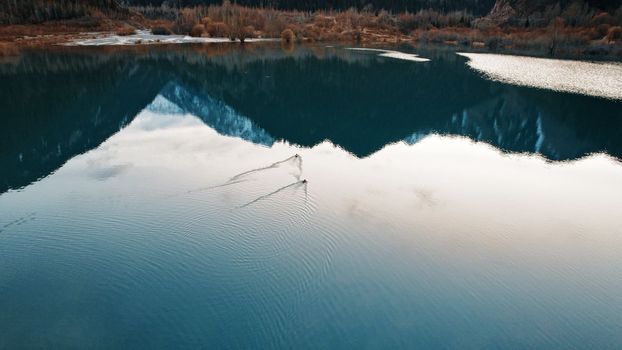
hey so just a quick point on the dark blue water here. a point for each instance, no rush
(153, 198)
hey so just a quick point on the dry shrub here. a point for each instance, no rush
(197, 30)
(348, 20)
(312, 33)
(160, 31)
(614, 34)
(288, 36)
(350, 35)
(385, 20)
(598, 49)
(437, 36)
(187, 18)
(249, 31)
(126, 31)
(218, 29)
(157, 12)
(603, 29)
(275, 24)
(191, 14)
(590, 33)
(255, 18)
(297, 29)
(214, 12)
(245, 32)
(602, 18)
(330, 36)
(406, 22)
(322, 21)
(484, 24)
(366, 19)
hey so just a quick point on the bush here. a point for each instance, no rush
(603, 29)
(126, 31)
(406, 22)
(197, 30)
(288, 36)
(246, 32)
(311, 32)
(160, 31)
(614, 34)
(603, 18)
(385, 20)
(274, 25)
(493, 43)
(187, 18)
(217, 29)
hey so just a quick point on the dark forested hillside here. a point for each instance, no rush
(477, 7)
(527, 7)
(541, 12)
(34, 11)
(474, 6)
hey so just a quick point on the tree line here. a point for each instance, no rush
(35, 11)
(478, 7)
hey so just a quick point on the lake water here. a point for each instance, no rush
(156, 198)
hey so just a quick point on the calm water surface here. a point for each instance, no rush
(152, 199)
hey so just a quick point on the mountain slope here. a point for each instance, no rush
(519, 11)
(36, 11)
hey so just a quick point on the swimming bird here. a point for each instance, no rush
(273, 165)
(271, 193)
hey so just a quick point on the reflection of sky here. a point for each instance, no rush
(441, 192)
(445, 183)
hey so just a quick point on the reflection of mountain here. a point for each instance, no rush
(214, 113)
(363, 106)
(57, 105)
(46, 119)
(358, 107)
(511, 121)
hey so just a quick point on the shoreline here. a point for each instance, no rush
(592, 33)
(15, 38)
